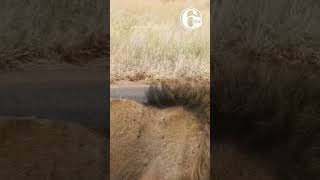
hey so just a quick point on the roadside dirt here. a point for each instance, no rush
(128, 84)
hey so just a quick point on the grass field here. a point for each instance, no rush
(72, 31)
(148, 41)
(275, 30)
(266, 57)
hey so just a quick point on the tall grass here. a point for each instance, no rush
(148, 41)
(266, 93)
(65, 30)
(281, 30)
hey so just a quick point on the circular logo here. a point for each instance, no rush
(191, 18)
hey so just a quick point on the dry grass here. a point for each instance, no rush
(269, 110)
(147, 40)
(266, 92)
(274, 30)
(57, 31)
(37, 149)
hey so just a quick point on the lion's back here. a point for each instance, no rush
(167, 141)
(41, 149)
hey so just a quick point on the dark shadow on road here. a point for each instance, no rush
(85, 102)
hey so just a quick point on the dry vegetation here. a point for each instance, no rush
(266, 93)
(71, 31)
(148, 41)
(37, 149)
(275, 30)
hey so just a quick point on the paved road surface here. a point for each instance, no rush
(134, 93)
(75, 95)
(82, 101)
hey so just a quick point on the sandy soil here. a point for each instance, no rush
(128, 84)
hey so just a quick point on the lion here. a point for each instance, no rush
(164, 139)
(37, 149)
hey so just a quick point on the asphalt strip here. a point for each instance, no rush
(80, 96)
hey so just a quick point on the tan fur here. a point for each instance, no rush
(38, 149)
(151, 143)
